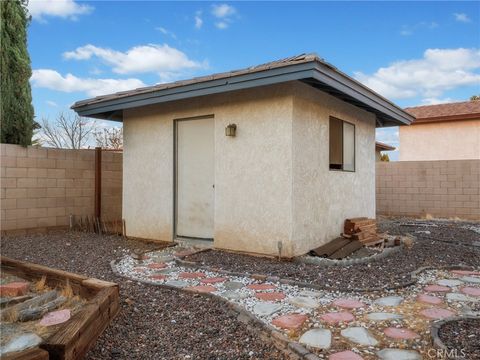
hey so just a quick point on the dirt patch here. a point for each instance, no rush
(462, 335)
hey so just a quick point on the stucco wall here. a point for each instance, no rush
(323, 199)
(450, 140)
(252, 170)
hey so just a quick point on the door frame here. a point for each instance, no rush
(175, 174)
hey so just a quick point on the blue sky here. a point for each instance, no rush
(411, 52)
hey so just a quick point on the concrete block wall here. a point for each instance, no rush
(443, 189)
(41, 187)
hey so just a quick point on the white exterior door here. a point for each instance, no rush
(195, 178)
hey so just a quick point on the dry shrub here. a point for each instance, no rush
(429, 216)
(40, 284)
(67, 290)
(10, 315)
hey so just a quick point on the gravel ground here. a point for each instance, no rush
(462, 334)
(392, 270)
(154, 323)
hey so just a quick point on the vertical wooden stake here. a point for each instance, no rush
(98, 185)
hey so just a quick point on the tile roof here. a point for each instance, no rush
(445, 112)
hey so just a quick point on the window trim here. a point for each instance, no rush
(343, 144)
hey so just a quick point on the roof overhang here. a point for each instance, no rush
(317, 74)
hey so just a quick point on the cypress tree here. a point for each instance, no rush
(16, 110)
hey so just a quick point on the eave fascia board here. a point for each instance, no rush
(331, 77)
(266, 77)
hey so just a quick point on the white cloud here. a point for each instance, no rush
(439, 70)
(461, 17)
(408, 30)
(221, 25)
(51, 79)
(160, 59)
(67, 9)
(198, 20)
(51, 103)
(224, 13)
(166, 32)
(436, 101)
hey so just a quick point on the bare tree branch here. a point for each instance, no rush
(110, 138)
(67, 132)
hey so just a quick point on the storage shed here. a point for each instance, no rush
(270, 157)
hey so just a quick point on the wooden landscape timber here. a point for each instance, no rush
(74, 338)
(357, 232)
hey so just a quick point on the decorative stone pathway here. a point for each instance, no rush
(338, 326)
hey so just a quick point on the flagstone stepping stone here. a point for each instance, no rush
(389, 301)
(437, 288)
(382, 316)
(234, 295)
(165, 271)
(290, 321)
(213, 280)
(458, 297)
(304, 302)
(258, 287)
(348, 303)
(471, 279)
(429, 299)
(55, 317)
(337, 317)
(309, 293)
(202, 288)
(21, 342)
(359, 335)
(345, 355)
(270, 296)
(397, 354)
(16, 288)
(400, 333)
(266, 309)
(436, 313)
(449, 282)
(157, 266)
(470, 291)
(465, 272)
(158, 277)
(191, 275)
(233, 285)
(177, 283)
(317, 338)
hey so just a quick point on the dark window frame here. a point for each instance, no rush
(343, 144)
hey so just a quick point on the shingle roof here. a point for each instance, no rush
(446, 112)
(307, 68)
(298, 59)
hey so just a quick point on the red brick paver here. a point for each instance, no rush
(437, 313)
(348, 303)
(157, 266)
(429, 299)
(337, 317)
(472, 291)
(290, 321)
(16, 288)
(400, 333)
(345, 355)
(213, 280)
(202, 288)
(261, 287)
(437, 288)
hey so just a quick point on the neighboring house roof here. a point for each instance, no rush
(446, 112)
(379, 146)
(308, 68)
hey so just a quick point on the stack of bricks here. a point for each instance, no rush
(41, 188)
(443, 189)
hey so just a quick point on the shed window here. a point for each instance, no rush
(342, 145)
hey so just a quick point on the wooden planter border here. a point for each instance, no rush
(74, 338)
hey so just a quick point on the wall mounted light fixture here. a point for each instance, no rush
(231, 130)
